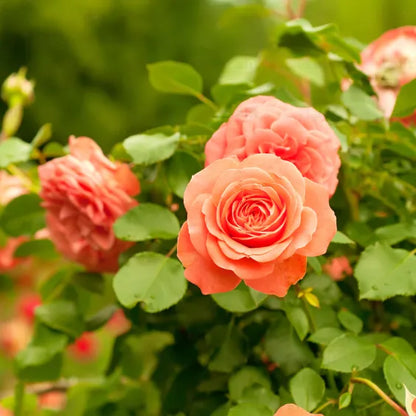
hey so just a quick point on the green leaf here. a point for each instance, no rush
(304, 39)
(100, 318)
(283, 346)
(23, 216)
(324, 336)
(43, 135)
(175, 77)
(179, 170)
(405, 101)
(298, 318)
(350, 321)
(151, 278)
(145, 222)
(14, 150)
(43, 249)
(93, 282)
(246, 377)
(307, 388)
(400, 367)
(360, 104)
(348, 353)
(383, 272)
(241, 299)
(344, 400)
(249, 409)
(307, 68)
(239, 70)
(62, 315)
(341, 238)
(145, 149)
(258, 394)
(232, 352)
(395, 233)
(28, 371)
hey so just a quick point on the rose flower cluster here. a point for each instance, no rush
(261, 205)
(84, 193)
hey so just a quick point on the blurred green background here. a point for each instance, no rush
(89, 57)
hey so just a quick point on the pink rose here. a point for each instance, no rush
(338, 268)
(254, 220)
(84, 193)
(390, 62)
(293, 410)
(10, 187)
(265, 124)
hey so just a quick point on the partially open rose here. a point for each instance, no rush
(84, 193)
(390, 63)
(264, 124)
(254, 220)
(293, 410)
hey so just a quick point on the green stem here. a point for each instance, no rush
(381, 393)
(19, 394)
(323, 406)
(207, 101)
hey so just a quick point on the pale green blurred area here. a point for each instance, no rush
(89, 57)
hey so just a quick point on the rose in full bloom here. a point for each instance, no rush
(254, 220)
(293, 410)
(264, 124)
(84, 193)
(338, 268)
(390, 63)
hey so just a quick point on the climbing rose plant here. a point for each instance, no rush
(257, 259)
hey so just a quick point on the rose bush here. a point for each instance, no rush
(84, 193)
(256, 221)
(297, 313)
(265, 124)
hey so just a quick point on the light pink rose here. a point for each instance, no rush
(338, 268)
(10, 187)
(265, 124)
(84, 193)
(254, 220)
(390, 63)
(293, 410)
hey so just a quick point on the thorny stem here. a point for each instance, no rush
(381, 393)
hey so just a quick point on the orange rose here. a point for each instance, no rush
(293, 410)
(84, 193)
(265, 124)
(254, 220)
(390, 62)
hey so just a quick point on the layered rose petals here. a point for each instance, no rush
(264, 124)
(254, 220)
(84, 193)
(293, 410)
(390, 63)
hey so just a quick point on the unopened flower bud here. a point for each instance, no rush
(16, 89)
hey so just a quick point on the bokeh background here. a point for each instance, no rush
(89, 57)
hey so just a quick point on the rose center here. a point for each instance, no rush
(255, 219)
